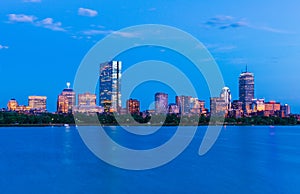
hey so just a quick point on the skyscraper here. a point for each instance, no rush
(161, 103)
(184, 104)
(226, 95)
(110, 88)
(246, 90)
(66, 100)
(37, 103)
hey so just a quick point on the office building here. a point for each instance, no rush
(197, 106)
(226, 95)
(110, 88)
(133, 106)
(87, 99)
(236, 109)
(286, 110)
(66, 100)
(12, 105)
(184, 104)
(272, 108)
(246, 90)
(37, 103)
(161, 103)
(218, 106)
(258, 105)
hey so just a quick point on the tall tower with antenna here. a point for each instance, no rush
(246, 89)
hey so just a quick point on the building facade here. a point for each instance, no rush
(110, 86)
(197, 106)
(12, 105)
(38, 103)
(161, 103)
(87, 99)
(218, 106)
(184, 104)
(66, 101)
(133, 106)
(226, 95)
(246, 90)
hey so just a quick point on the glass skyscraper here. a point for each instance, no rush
(246, 90)
(110, 86)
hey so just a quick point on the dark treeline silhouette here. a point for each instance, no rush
(13, 118)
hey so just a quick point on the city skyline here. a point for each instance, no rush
(41, 47)
(110, 96)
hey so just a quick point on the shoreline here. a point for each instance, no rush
(153, 125)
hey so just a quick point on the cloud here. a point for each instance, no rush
(106, 32)
(3, 47)
(50, 24)
(220, 48)
(87, 12)
(32, 1)
(224, 22)
(21, 18)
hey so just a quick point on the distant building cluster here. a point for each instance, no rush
(247, 105)
(110, 100)
(36, 104)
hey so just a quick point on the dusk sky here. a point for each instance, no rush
(42, 43)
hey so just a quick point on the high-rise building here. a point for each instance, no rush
(161, 103)
(87, 99)
(133, 106)
(12, 105)
(184, 104)
(197, 106)
(246, 90)
(286, 110)
(37, 103)
(237, 109)
(218, 106)
(66, 100)
(110, 86)
(226, 95)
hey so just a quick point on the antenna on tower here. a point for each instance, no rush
(68, 85)
(246, 68)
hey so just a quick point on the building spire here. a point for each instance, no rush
(68, 85)
(246, 68)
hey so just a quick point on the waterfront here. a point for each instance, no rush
(258, 159)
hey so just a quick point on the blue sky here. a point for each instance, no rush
(42, 42)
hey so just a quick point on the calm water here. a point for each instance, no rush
(243, 160)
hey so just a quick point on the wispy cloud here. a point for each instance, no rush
(223, 22)
(50, 24)
(220, 48)
(45, 23)
(32, 1)
(87, 12)
(106, 32)
(21, 18)
(3, 47)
